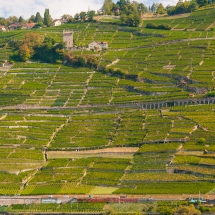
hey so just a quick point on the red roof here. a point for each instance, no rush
(30, 24)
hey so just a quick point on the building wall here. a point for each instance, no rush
(2, 29)
(68, 39)
(57, 23)
(94, 45)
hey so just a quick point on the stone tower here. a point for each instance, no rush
(68, 39)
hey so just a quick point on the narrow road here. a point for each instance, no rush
(8, 200)
(120, 105)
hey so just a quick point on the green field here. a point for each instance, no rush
(46, 108)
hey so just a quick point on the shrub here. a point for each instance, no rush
(165, 210)
(108, 210)
(210, 94)
(201, 141)
(187, 210)
(160, 26)
(81, 61)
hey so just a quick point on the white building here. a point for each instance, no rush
(2, 29)
(56, 22)
(98, 46)
(68, 39)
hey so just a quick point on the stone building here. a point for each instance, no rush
(68, 39)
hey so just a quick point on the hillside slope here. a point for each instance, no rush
(149, 131)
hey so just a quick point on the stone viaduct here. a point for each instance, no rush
(171, 103)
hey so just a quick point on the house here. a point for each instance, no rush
(98, 46)
(104, 44)
(2, 29)
(68, 39)
(28, 26)
(13, 26)
(56, 22)
(94, 46)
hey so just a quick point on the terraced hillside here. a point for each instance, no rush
(71, 130)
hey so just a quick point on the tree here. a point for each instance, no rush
(107, 7)
(21, 20)
(142, 8)
(83, 16)
(39, 25)
(66, 17)
(193, 6)
(182, 7)
(71, 20)
(154, 7)
(38, 18)
(32, 39)
(202, 2)
(24, 52)
(92, 62)
(49, 51)
(133, 20)
(187, 210)
(122, 3)
(131, 15)
(76, 17)
(49, 40)
(165, 210)
(160, 9)
(59, 50)
(31, 19)
(3, 21)
(47, 18)
(201, 141)
(81, 61)
(91, 15)
(168, 7)
(12, 19)
(210, 94)
(123, 18)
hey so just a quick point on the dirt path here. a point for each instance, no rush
(113, 63)
(98, 151)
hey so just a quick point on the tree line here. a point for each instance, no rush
(41, 21)
(131, 12)
(179, 8)
(35, 47)
(46, 19)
